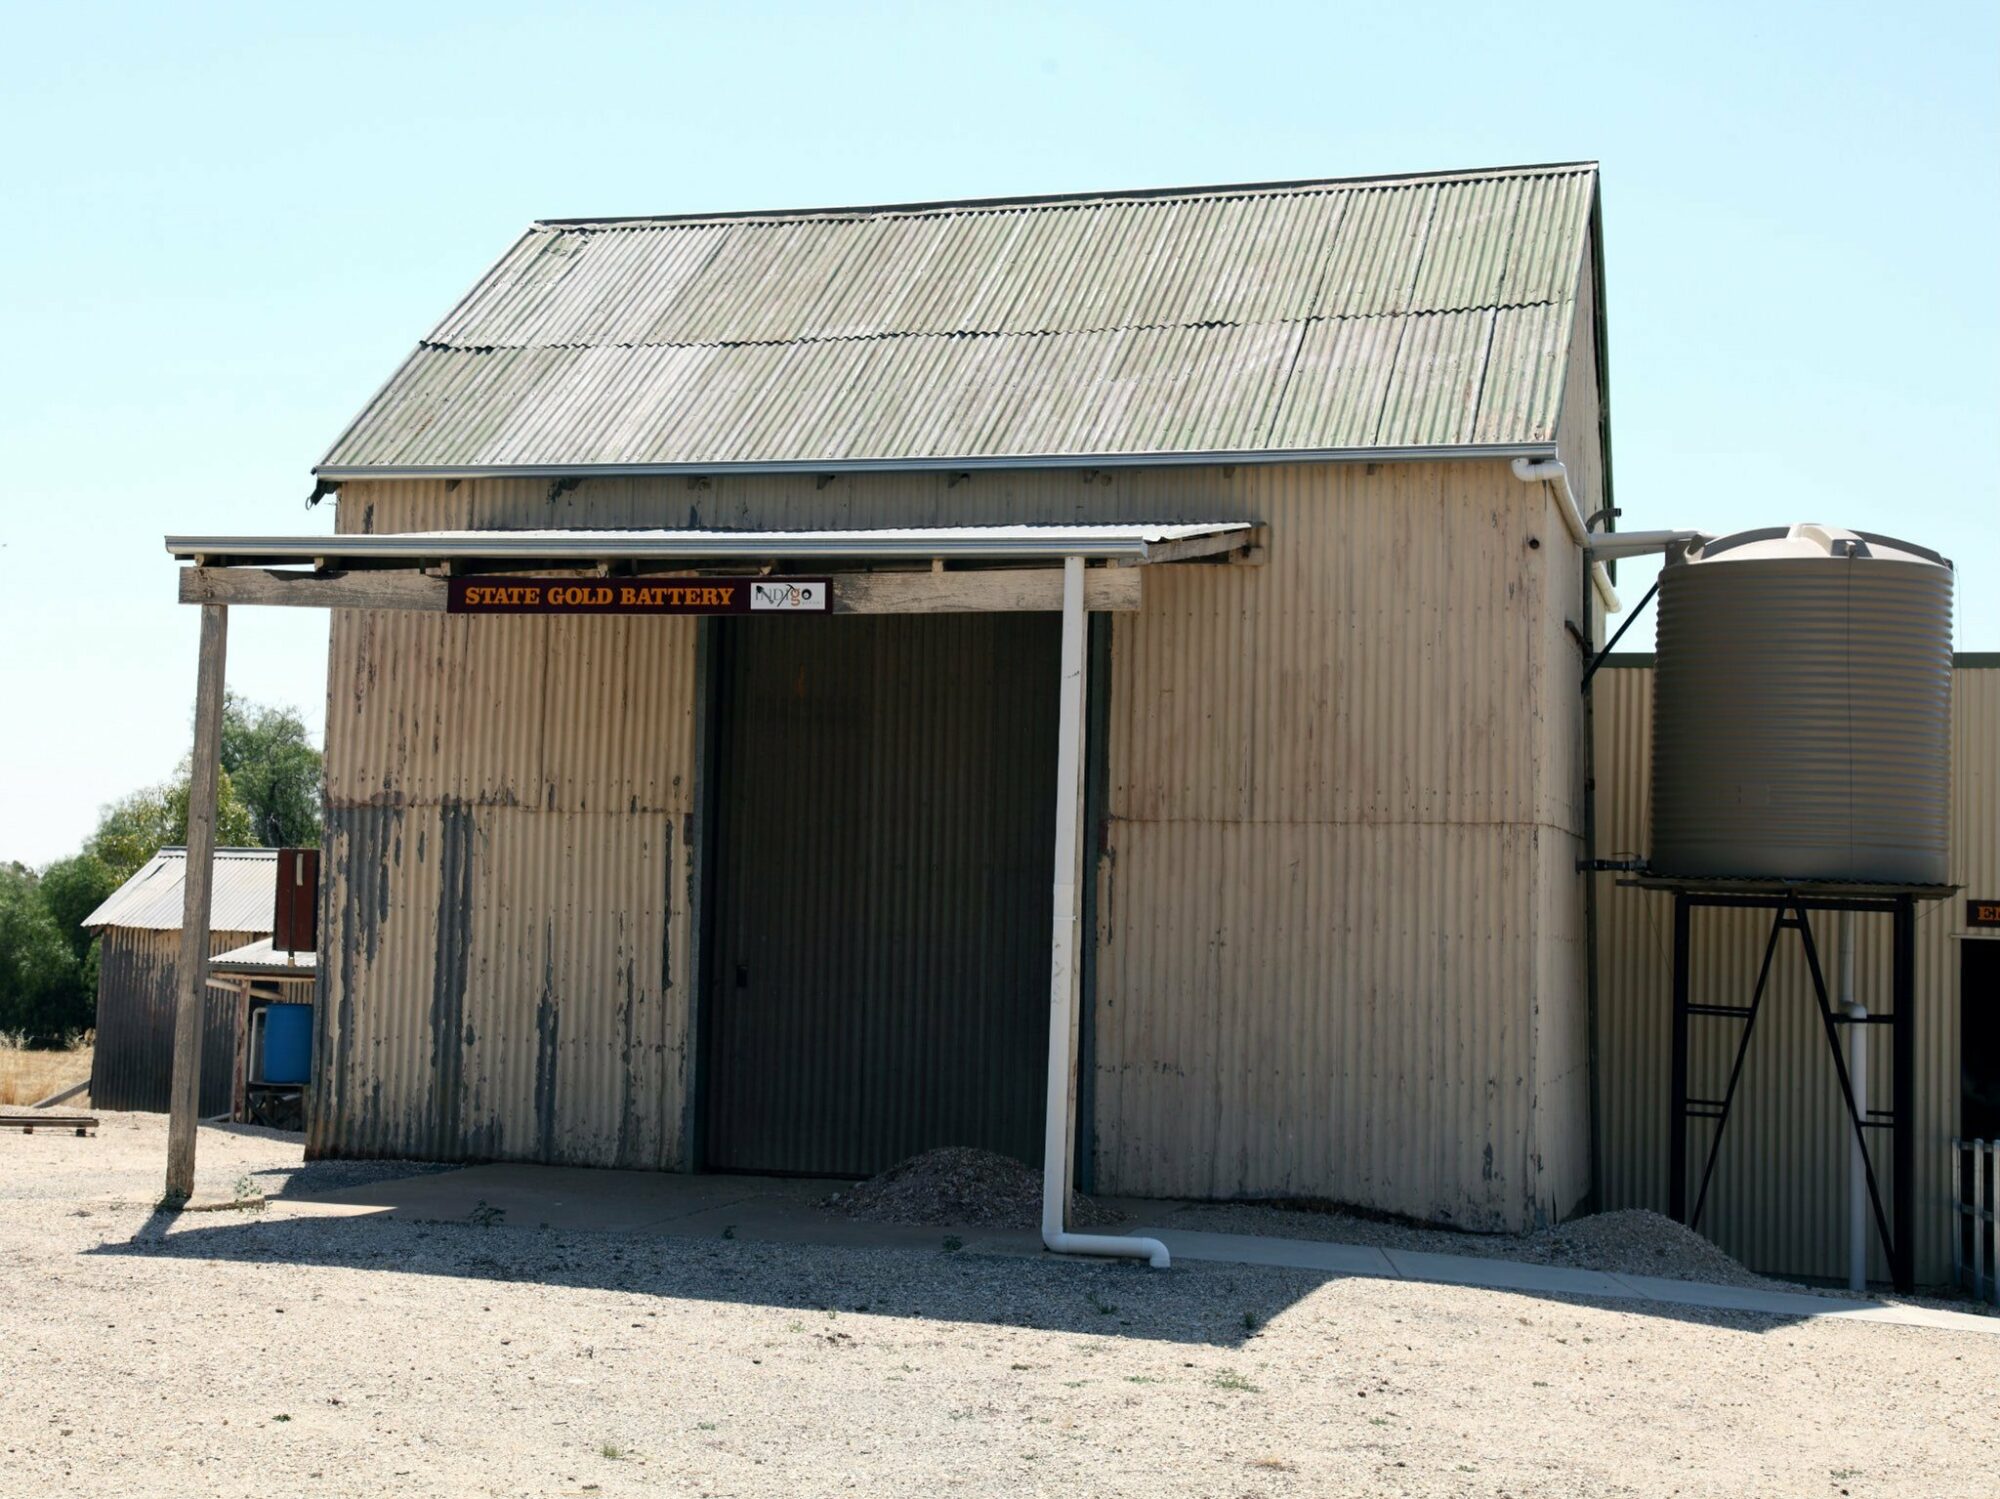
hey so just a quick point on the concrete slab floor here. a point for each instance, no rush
(768, 1209)
(785, 1210)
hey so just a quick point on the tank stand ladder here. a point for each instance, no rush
(1790, 912)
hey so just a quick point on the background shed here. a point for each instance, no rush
(139, 977)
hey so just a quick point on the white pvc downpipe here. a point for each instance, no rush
(1063, 967)
(1857, 1078)
(1551, 471)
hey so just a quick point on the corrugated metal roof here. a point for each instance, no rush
(261, 959)
(1421, 312)
(242, 899)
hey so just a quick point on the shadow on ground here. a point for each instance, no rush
(765, 1242)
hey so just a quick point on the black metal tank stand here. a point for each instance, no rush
(1790, 907)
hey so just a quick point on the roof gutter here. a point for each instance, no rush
(1551, 471)
(335, 473)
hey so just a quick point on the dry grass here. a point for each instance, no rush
(30, 1076)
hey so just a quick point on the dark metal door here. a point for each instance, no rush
(883, 852)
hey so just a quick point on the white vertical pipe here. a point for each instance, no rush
(1857, 1077)
(1063, 967)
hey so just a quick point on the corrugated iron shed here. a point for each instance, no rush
(1393, 314)
(242, 900)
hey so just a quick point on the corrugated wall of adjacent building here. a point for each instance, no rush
(138, 987)
(1778, 1201)
(1336, 944)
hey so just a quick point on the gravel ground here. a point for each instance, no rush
(255, 1353)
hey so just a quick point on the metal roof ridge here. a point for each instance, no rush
(1058, 200)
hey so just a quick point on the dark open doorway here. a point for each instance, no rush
(879, 862)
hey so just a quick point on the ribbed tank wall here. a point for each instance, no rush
(1340, 817)
(1803, 710)
(138, 989)
(1779, 1197)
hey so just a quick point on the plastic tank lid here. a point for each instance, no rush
(1810, 541)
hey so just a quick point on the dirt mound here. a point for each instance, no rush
(959, 1185)
(1634, 1241)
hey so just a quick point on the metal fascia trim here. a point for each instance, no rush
(1439, 453)
(251, 551)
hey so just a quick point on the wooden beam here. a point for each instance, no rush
(997, 591)
(989, 591)
(1187, 548)
(329, 590)
(190, 1003)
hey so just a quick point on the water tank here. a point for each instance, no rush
(288, 1037)
(1802, 709)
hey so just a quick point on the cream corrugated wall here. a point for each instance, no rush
(1339, 926)
(1778, 1200)
(505, 955)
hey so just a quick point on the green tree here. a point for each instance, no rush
(270, 758)
(70, 890)
(135, 827)
(42, 993)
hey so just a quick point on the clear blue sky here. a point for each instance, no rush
(225, 225)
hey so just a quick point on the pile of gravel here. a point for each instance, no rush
(960, 1185)
(1635, 1241)
(1631, 1241)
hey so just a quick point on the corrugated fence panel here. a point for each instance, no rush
(138, 987)
(1779, 1196)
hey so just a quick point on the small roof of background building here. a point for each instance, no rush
(1393, 315)
(243, 898)
(260, 960)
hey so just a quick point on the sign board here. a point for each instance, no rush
(773, 595)
(1982, 912)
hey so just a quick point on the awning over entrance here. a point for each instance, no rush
(942, 569)
(945, 569)
(1147, 542)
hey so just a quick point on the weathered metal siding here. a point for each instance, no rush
(1779, 1197)
(1322, 965)
(1333, 948)
(1569, 604)
(504, 969)
(138, 987)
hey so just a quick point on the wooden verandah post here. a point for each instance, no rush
(197, 881)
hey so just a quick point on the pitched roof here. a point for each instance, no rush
(242, 898)
(1368, 314)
